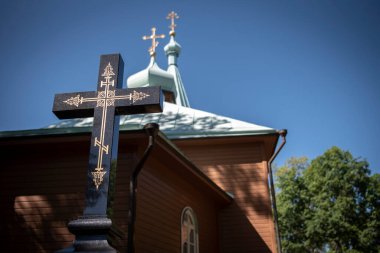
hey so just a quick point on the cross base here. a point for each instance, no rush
(91, 234)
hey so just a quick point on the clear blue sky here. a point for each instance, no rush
(312, 67)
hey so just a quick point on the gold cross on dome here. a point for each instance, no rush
(172, 15)
(153, 37)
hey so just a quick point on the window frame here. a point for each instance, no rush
(189, 212)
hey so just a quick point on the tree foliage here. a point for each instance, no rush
(331, 204)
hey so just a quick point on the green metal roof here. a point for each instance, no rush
(176, 122)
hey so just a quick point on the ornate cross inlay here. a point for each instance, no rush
(105, 105)
(104, 99)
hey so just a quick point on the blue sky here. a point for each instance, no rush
(312, 67)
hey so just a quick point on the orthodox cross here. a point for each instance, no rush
(153, 37)
(172, 15)
(105, 105)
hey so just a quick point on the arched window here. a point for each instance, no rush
(189, 231)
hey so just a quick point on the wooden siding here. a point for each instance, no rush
(240, 169)
(41, 192)
(42, 189)
(163, 194)
(120, 206)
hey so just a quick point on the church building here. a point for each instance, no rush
(201, 182)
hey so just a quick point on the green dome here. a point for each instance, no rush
(172, 47)
(153, 75)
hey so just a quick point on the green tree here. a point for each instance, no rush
(292, 203)
(329, 205)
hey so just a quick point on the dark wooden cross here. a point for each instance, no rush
(105, 105)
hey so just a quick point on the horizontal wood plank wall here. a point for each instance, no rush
(42, 188)
(247, 225)
(162, 195)
(127, 159)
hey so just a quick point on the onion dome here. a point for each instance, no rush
(152, 76)
(172, 50)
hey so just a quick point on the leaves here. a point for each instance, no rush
(329, 205)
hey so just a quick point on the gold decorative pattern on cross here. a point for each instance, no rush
(172, 15)
(136, 96)
(77, 100)
(153, 37)
(108, 71)
(105, 98)
(97, 177)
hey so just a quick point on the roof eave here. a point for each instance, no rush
(188, 135)
(169, 134)
(44, 132)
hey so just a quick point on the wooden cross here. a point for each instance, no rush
(172, 15)
(153, 37)
(105, 105)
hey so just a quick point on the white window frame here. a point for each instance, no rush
(188, 226)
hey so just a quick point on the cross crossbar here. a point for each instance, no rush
(105, 104)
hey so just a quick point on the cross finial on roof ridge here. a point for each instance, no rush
(153, 37)
(172, 15)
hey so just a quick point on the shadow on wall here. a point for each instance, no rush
(246, 225)
(249, 186)
(16, 235)
(237, 234)
(43, 191)
(37, 223)
(39, 196)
